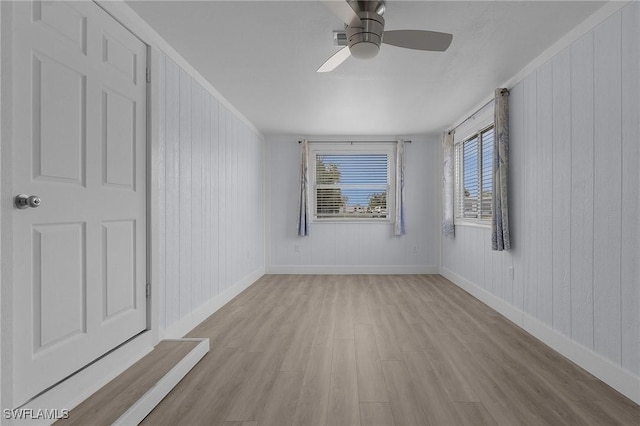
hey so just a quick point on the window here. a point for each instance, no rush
(474, 176)
(351, 182)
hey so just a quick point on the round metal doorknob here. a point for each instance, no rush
(23, 201)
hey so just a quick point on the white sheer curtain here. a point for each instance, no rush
(398, 228)
(303, 201)
(448, 227)
(500, 236)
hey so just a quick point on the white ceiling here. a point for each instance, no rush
(262, 56)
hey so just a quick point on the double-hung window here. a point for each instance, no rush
(352, 182)
(474, 176)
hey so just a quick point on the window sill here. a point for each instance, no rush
(363, 221)
(473, 223)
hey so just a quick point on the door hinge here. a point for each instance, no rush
(148, 290)
(148, 75)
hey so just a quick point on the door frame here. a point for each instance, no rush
(79, 386)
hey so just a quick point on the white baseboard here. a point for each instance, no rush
(188, 322)
(507, 310)
(71, 392)
(142, 407)
(352, 269)
(615, 376)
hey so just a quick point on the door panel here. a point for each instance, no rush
(64, 20)
(79, 128)
(59, 283)
(60, 92)
(119, 279)
(119, 125)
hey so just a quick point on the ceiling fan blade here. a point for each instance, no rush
(336, 59)
(343, 11)
(419, 40)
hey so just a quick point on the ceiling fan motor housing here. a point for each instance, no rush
(364, 42)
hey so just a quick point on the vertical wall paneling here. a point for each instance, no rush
(630, 272)
(530, 190)
(205, 175)
(215, 197)
(582, 164)
(209, 155)
(223, 185)
(574, 161)
(561, 203)
(544, 138)
(517, 194)
(172, 198)
(185, 194)
(229, 194)
(196, 206)
(607, 188)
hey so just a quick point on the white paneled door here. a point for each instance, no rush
(79, 117)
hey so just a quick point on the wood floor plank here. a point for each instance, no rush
(259, 379)
(376, 414)
(283, 399)
(371, 385)
(388, 346)
(323, 336)
(344, 407)
(406, 406)
(441, 354)
(313, 401)
(343, 328)
(435, 402)
(360, 299)
(473, 413)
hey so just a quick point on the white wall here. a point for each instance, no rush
(574, 161)
(353, 247)
(211, 202)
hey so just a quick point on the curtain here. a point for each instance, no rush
(500, 238)
(398, 228)
(303, 202)
(448, 227)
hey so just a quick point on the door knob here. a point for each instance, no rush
(23, 201)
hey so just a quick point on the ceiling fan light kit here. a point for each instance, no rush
(364, 42)
(365, 32)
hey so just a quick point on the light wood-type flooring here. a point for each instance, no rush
(110, 402)
(379, 350)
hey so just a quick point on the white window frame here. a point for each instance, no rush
(324, 148)
(458, 177)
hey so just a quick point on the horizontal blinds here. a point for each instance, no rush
(458, 179)
(474, 176)
(470, 178)
(351, 185)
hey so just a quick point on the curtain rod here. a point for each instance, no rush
(352, 142)
(471, 115)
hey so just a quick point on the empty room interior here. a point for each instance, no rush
(250, 213)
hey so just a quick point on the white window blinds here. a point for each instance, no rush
(351, 185)
(474, 173)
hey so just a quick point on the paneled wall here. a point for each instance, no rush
(211, 201)
(354, 247)
(575, 138)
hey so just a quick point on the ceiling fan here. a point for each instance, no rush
(365, 31)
